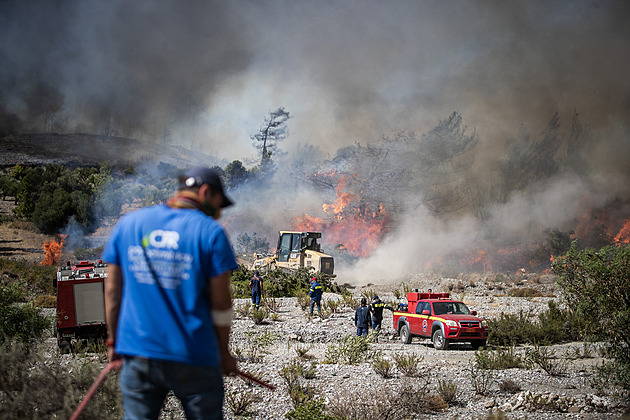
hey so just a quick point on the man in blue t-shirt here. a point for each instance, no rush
(168, 301)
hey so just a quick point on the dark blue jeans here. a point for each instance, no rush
(319, 306)
(255, 298)
(144, 384)
(376, 324)
(362, 331)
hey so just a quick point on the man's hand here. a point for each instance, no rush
(228, 365)
(112, 356)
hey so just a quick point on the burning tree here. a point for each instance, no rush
(53, 249)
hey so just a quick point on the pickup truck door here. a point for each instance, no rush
(423, 322)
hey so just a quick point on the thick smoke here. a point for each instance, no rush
(206, 73)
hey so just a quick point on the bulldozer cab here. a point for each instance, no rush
(292, 244)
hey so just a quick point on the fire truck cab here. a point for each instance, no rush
(80, 303)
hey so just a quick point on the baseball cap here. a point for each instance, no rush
(375, 297)
(199, 175)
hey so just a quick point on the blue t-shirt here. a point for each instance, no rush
(256, 283)
(170, 320)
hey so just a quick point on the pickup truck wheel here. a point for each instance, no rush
(439, 342)
(405, 335)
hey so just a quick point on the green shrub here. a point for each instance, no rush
(350, 350)
(502, 358)
(408, 364)
(277, 283)
(313, 409)
(22, 322)
(259, 315)
(597, 285)
(554, 325)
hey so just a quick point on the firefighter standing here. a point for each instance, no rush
(362, 318)
(316, 295)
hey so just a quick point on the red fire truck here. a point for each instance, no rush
(439, 318)
(80, 303)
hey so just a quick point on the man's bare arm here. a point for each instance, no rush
(221, 300)
(113, 297)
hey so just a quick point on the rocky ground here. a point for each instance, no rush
(350, 387)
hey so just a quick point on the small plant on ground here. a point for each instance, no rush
(382, 366)
(303, 301)
(243, 310)
(273, 305)
(481, 379)
(350, 350)
(259, 315)
(510, 386)
(256, 345)
(239, 402)
(302, 352)
(292, 374)
(408, 364)
(447, 389)
(350, 301)
(310, 410)
(544, 358)
(333, 305)
(502, 358)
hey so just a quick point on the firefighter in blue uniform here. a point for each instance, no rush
(316, 295)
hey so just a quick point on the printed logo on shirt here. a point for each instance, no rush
(161, 239)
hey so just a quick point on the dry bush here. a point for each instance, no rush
(302, 352)
(45, 301)
(408, 364)
(382, 366)
(544, 358)
(273, 305)
(447, 389)
(526, 292)
(243, 310)
(481, 379)
(33, 386)
(239, 402)
(394, 404)
(510, 386)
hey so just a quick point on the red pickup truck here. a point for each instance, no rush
(443, 320)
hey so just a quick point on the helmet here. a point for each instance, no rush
(375, 297)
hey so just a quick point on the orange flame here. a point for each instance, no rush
(52, 250)
(352, 226)
(623, 237)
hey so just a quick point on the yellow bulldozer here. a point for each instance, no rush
(296, 250)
